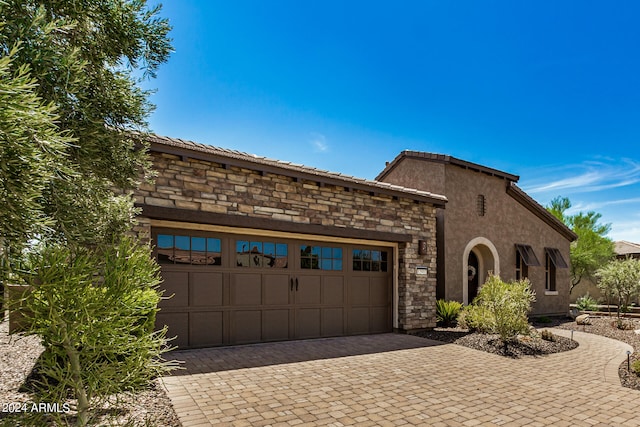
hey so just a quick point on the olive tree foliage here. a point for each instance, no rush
(592, 249)
(620, 280)
(31, 153)
(81, 59)
(72, 125)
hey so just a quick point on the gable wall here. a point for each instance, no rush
(506, 222)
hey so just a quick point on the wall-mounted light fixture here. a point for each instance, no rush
(422, 247)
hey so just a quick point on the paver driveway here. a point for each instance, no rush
(394, 379)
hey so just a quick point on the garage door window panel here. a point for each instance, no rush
(258, 254)
(370, 260)
(320, 258)
(194, 250)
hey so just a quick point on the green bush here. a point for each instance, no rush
(94, 309)
(502, 308)
(447, 312)
(587, 303)
(475, 318)
(635, 367)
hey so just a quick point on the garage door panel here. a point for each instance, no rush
(379, 290)
(332, 322)
(321, 292)
(308, 289)
(359, 287)
(359, 320)
(175, 283)
(277, 288)
(308, 323)
(380, 318)
(247, 326)
(178, 326)
(275, 325)
(205, 329)
(206, 289)
(246, 289)
(333, 290)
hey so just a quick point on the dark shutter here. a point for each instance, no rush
(528, 256)
(556, 257)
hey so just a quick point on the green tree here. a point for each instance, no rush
(31, 151)
(620, 279)
(81, 58)
(592, 249)
(72, 125)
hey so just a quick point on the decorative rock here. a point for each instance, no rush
(583, 319)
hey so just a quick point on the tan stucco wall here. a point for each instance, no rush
(209, 187)
(505, 223)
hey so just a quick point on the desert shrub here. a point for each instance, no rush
(502, 308)
(547, 335)
(475, 318)
(447, 312)
(635, 367)
(586, 303)
(94, 309)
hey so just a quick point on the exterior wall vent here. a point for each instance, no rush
(481, 206)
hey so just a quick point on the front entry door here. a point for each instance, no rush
(474, 273)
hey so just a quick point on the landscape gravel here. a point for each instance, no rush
(18, 355)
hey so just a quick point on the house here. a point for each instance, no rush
(489, 226)
(253, 249)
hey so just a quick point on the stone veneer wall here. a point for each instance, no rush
(209, 187)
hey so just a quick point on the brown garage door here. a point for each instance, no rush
(230, 289)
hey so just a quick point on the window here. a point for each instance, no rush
(552, 259)
(320, 258)
(549, 273)
(256, 254)
(369, 260)
(522, 271)
(525, 258)
(194, 250)
(481, 207)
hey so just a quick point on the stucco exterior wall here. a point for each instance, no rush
(505, 223)
(203, 186)
(492, 236)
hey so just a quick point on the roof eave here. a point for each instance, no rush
(158, 145)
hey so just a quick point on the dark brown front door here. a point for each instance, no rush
(231, 289)
(473, 271)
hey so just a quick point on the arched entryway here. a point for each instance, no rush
(480, 258)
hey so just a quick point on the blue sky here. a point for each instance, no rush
(546, 90)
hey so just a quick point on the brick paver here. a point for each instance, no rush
(395, 380)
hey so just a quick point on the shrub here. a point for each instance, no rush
(476, 318)
(447, 312)
(635, 367)
(503, 307)
(547, 335)
(587, 303)
(94, 309)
